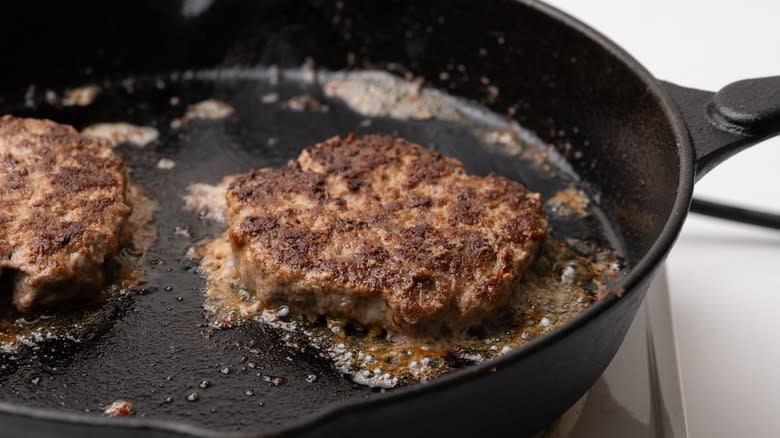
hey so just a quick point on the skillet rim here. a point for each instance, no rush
(643, 269)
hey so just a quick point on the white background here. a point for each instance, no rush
(724, 278)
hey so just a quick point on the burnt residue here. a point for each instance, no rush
(157, 346)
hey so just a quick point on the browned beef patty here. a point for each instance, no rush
(383, 232)
(62, 204)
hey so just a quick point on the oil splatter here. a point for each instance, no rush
(121, 132)
(566, 278)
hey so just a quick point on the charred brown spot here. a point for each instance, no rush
(81, 178)
(420, 201)
(51, 235)
(355, 185)
(254, 225)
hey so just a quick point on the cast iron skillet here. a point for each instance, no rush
(643, 142)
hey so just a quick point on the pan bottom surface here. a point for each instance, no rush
(155, 346)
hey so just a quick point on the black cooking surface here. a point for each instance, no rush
(154, 346)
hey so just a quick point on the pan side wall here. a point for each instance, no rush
(567, 88)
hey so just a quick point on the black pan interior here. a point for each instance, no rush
(156, 347)
(564, 87)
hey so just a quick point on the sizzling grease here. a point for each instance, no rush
(566, 278)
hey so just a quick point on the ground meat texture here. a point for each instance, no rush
(62, 205)
(383, 232)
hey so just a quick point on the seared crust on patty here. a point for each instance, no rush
(383, 232)
(62, 205)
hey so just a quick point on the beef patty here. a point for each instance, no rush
(61, 210)
(383, 232)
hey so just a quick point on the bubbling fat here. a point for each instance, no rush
(567, 277)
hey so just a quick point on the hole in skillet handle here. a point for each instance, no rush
(740, 115)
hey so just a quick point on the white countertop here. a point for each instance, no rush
(724, 278)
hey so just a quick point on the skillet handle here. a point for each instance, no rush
(721, 124)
